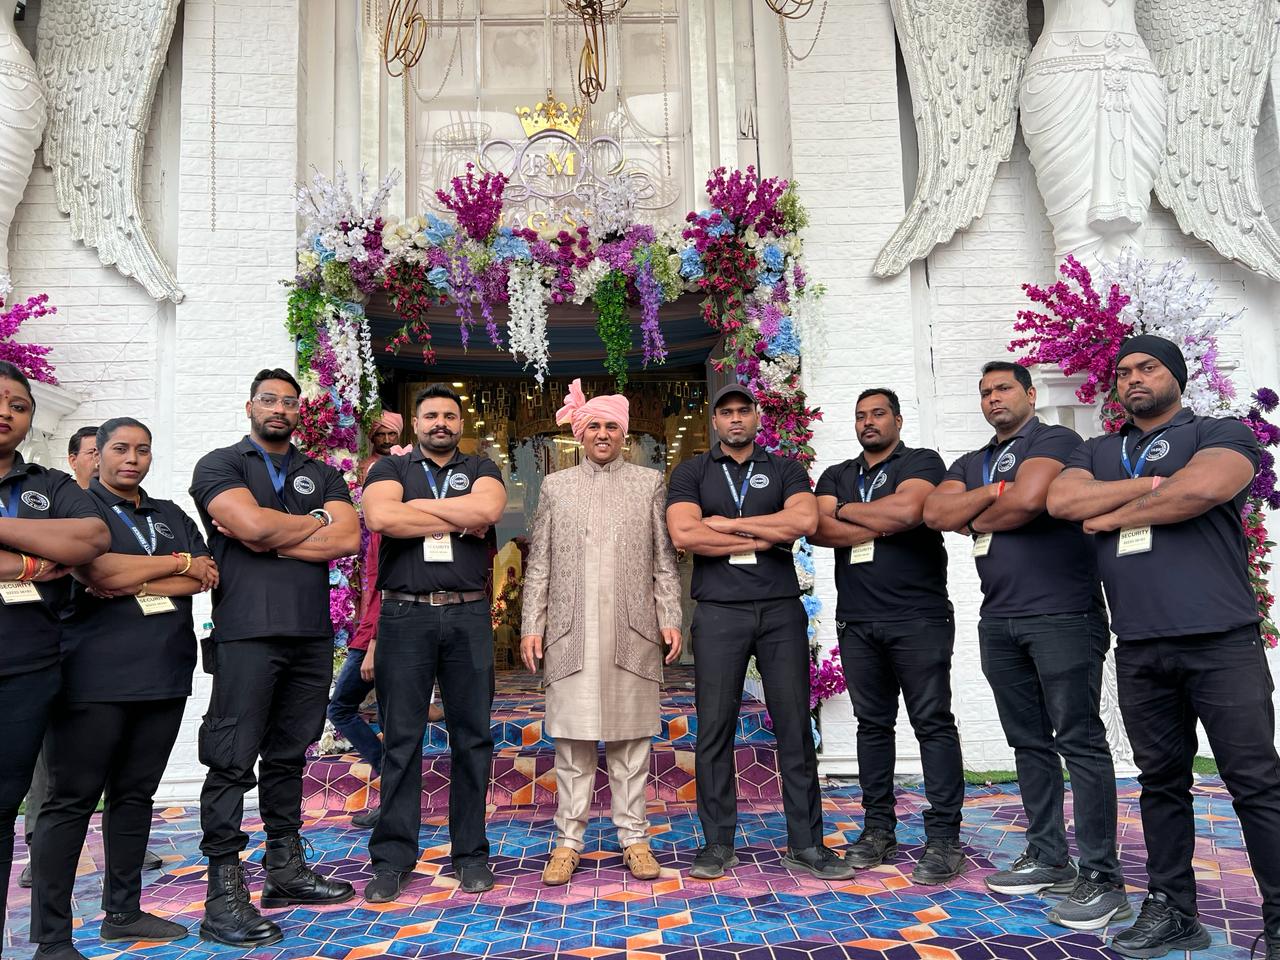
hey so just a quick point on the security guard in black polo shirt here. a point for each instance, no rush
(274, 518)
(1163, 498)
(738, 509)
(896, 630)
(47, 524)
(1043, 639)
(433, 507)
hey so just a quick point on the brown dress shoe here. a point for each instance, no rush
(560, 867)
(639, 859)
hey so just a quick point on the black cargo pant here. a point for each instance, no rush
(267, 707)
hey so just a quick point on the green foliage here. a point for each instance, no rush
(338, 282)
(794, 216)
(613, 324)
(303, 320)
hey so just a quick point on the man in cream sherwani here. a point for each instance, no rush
(601, 597)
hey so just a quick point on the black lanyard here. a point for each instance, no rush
(739, 495)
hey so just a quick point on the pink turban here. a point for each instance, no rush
(389, 420)
(578, 411)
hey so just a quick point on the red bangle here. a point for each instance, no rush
(1000, 489)
(1155, 482)
(28, 567)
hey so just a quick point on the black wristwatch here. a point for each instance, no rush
(840, 505)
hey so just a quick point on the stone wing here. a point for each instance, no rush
(100, 63)
(964, 61)
(1216, 60)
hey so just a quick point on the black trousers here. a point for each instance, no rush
(37, 793)
(121, 748)
(267, 707)
(1222, 679)
(1046, 675)
(725, 636)
(914, 657)
(418, 644)
(26, 701)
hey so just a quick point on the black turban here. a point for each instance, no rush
(1166, 351)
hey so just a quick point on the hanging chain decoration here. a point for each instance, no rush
(213, 117)
(593, 64)
(666, 104)
(404, 37)
(790, 55)
(791, 9)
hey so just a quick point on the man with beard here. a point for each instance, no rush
(432, 507)
(275, 518)
(1163, 499)
(600, 608)
(383, 435)
(896, 630)
(738, 509)
(1042, 636)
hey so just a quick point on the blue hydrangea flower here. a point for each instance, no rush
(784, 342)
(768, 277)
(507, 246)
(436, 231)
(723, 228)
(438, 277)
(690, 263)
(773, 257)
(321, 251)
(812, 605)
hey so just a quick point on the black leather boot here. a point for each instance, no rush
(290, 880)
(229, 917)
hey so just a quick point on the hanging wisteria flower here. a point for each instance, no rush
(527, 328)
(655, 349)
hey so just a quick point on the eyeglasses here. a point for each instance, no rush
(269, 400)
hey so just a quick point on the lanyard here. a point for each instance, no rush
(1130, 469)
(127, 520)
(989, 468)
(864, 494)
(440, 491)
(10, 509)
(277, 475)
(739, 495)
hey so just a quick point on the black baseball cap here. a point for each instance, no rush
(728, 390)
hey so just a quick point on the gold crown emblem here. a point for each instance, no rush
(550, 114)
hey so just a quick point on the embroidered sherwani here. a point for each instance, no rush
(601, 582)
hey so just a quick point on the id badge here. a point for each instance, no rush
(863, 552)
(152, 605)
(743, 559)
(13, 592)
(982, 544)
(1133, 540)
(437, 548)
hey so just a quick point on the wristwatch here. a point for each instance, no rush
(840, 505)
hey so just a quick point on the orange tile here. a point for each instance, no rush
(415, 930)
(932, 914)
(674, 920)
(651, 939)
(687, 792)
(623, 896)
(896, 883)
(378, 949)
(928, 951)
(666, 886)
(523, 794)
(921, 931)
(531, 734)
(859, 889)
(874, 943)
(589, 952)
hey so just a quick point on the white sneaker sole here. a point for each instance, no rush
(1119, 914)
(1028, 889)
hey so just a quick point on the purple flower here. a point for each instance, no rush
(655, 348)
(1267, 398)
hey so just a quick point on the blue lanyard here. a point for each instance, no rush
(277, 475)
(989, 468)
(10, 508)
(1130, 469)
(863, 494)
(739, 495)
(440, 491)
(127, 520)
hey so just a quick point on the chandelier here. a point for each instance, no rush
(791, 9)
(593, 64)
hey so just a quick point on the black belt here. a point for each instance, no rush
(437, 598)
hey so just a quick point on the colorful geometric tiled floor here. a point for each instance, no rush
(759, 912)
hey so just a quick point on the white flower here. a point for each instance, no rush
(587, 279)
(527, 326)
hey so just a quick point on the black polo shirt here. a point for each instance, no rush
(400, 563)
(263, 595)
(31, 631)
(908, 576)
(1046, 565)
(701, 480)
(116, 653)
(1195, 577)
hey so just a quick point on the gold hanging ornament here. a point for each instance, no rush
(791, 9)
(593, 64)
(405, 36)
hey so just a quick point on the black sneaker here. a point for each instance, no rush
(1094, 903)
(712, 861)
(152, 861)
(1160, 927)
(1029, 875)
(139, 926)
(943, 860)
(822, 862)
(24, 878)
(872, 848)
(1273, 946)
(366, 819)
(385, 886)
(474, 877)
(63, 950)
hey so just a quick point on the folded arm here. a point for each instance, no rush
(690, 532)
(899, 511)
(339, 539)
(1076, 495)
(482, 507)
(951, 507)
(68, 543)
(797, 518)
(385, 512)
(838, 533)
(240, 517)
(119, 571)
(1023, 498)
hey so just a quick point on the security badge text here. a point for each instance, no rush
(743, 559)
(13, 592)
(982, 544)
(863, 552)
(151, 605)
(1133, 540)
(437, 548)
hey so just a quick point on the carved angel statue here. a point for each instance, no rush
(1117, 96)
(100, 61)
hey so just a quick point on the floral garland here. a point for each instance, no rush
(27, 357)
(743, 254)
(1080, 330)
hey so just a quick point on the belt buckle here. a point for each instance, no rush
(442, 594)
